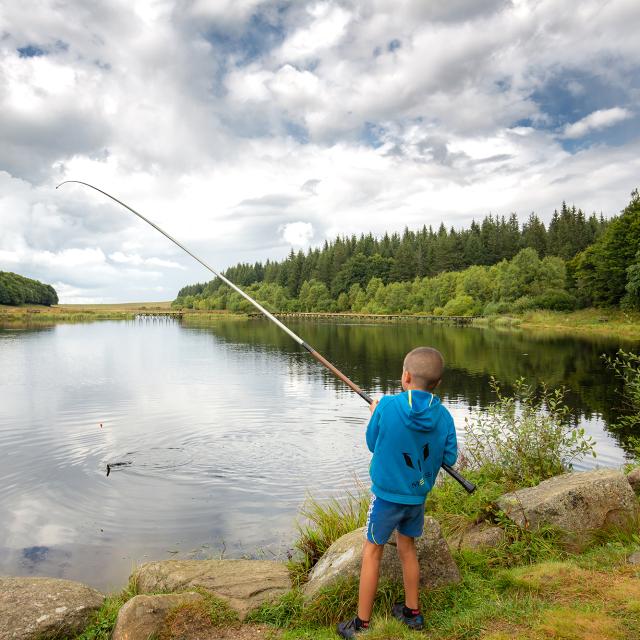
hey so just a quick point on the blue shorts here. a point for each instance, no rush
(385, 516)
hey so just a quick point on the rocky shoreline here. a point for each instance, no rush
(576, 504)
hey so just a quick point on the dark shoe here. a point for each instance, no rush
(348, 629)
(413, 622)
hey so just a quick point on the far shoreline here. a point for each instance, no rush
(590, 322)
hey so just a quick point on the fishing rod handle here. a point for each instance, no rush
(467, 485)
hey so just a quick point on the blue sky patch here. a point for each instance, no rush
(372, 134)
(31, 51)
(261, 34)
(394, 44)
(572, 95)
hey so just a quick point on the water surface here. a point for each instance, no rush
(222, 430)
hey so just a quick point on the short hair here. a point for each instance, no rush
(425, 364)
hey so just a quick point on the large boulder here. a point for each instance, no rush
(477, 537)
(344, 558)
(45, 608)
(145, 616)
(634, 480)
(576, 503)
(243, 584)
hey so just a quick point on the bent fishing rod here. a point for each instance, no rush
(469, 487)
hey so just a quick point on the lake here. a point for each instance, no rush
(223, 429)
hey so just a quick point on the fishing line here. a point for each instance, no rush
(468, 486)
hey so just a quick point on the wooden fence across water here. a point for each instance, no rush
(370, 316)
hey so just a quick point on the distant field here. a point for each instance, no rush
(78, 312)
(121, 306)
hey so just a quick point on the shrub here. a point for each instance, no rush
(462, 305)
(525, 303)
(496, 308)
(626, 366)
(526, 438)
(556, 300)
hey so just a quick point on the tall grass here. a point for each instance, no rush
(103, 621)
(323, 522)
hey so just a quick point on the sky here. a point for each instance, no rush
(246, 128)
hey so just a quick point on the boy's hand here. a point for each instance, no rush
(373, 405)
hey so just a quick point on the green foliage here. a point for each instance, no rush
(16, 290)
(601, 271)
(631, 299)
(281, 612)
(455, 509)
(462, 305)
(556, 300)
(626, 366)
(218, 611)
(526, 438)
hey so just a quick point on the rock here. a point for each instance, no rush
(45, 608)
(478, 536)
(574, 502)
(634, 480)
(243, 584)
(144, 616)
(344, 558)
(634, 558)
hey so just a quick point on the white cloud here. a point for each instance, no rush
(326, 28)
(597, 120)
(137, 260)
(297, 234)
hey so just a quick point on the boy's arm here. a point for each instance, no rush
(451, 445)
(373, 428)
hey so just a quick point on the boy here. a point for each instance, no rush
(410, 435)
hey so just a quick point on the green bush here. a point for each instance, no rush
(626, 366)
(522, 304)
(526, 438)
(556, 300)
(461, 305)
(496, 308)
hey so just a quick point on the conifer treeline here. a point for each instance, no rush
(402, 258)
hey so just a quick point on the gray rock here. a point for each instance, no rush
(634, 558)
(344, 558)
(243, 584)
(45, 608)
(576, 503)
(634, 480)
(478, 536)
(144, 616)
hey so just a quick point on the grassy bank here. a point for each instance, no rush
(588, 322)
(611, 323)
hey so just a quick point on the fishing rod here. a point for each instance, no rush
(469, 487)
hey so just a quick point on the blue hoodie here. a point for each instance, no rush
(410, 435)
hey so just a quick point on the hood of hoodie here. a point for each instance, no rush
(419, 409)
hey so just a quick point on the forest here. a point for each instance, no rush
(496, 266)
(17, 290)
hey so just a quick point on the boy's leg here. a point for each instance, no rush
(371, 557)
(410, 569)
